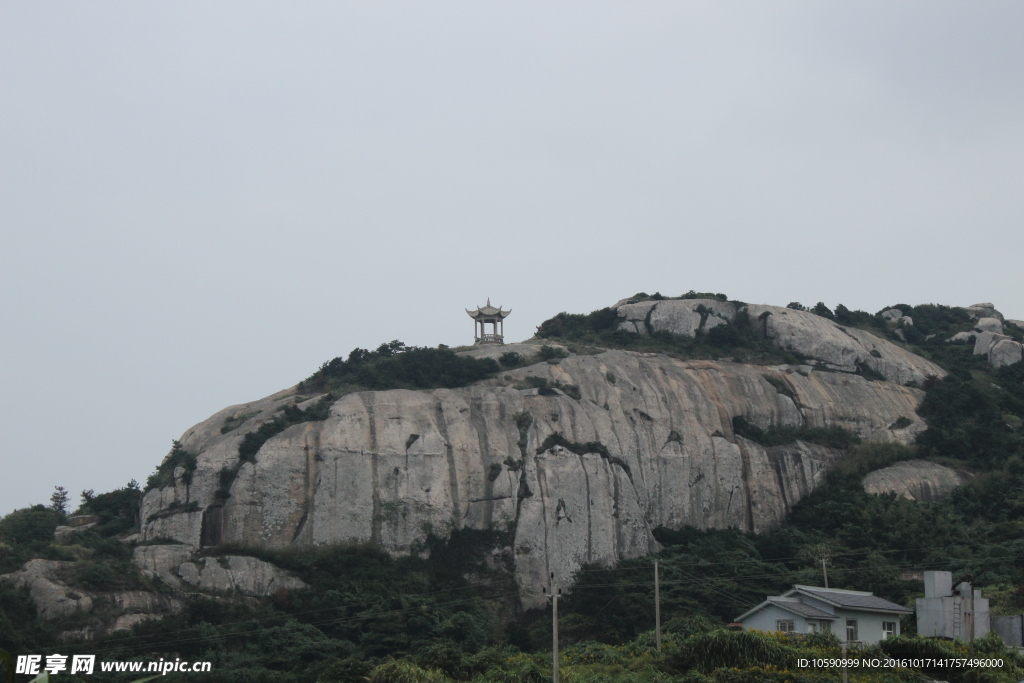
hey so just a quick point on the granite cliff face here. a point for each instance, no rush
(648, 443)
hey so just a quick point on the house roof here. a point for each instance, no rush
(849, 599)
(488, 311)
(790, 605)
(853, 600)
(803, 609)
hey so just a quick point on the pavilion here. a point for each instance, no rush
(488, 314)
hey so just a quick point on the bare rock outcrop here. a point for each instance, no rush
(236, 573)
(108, 611)
(1005, 352)
(918, 480)
(990, 336)
(162, 561)
(985, 310)
(648, 443)
(841, 348)
(678, 316)
(52, 598)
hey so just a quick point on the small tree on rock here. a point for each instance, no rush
(59, 500)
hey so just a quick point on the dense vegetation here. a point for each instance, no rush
(397, 366)
(452, 612)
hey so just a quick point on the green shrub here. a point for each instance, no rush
(824, 311)
(29, 525)
(405, 672)
(164, 475)
(348, 670)
(901, 423)
(556, 439)
(20, 630)
(546, 388)
(516, 670)
(739, 649)
(834, 437)
(118, 511)
(577, 326)
(443, 655)
(397, 366)
(511, 359)
(552, 353)
(253, 441)
(97, 576)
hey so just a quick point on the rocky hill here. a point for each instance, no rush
(757, 438)
(576, 459)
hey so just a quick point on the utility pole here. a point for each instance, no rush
(657, 608)
(824, 571)
(555, 592)
(971, 588)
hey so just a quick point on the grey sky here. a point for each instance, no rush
(200, 202)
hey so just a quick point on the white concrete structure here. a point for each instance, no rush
(1010, 629)
(948, 611)
(854, 616)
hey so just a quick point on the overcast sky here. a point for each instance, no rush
(200, 202)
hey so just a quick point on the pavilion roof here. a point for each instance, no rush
(488, 311)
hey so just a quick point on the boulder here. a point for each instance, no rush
(892, 314)
(989, 325)
(678, 316)
(1005, 352)
(963, 336)
(713, 321)
(52, 598)
(906, 321)
(985, 310)
(141, 602)
(82, 520)
(984, 342)
(235, 573)
(634, 316)
(918, 480)
(1018, 323)
(841, 348)
(126, 622)
(162, 561)
(108, 611)
(66, 534)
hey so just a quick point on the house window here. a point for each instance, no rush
(889, 629)
(826, 626)
(812, 627)
(851, 630)
(785, 625)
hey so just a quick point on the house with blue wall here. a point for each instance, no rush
(855, 616)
